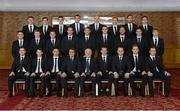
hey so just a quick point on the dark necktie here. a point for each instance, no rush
(55, 69)
(136, 63)
(87, 65)
(122, 39)
(139, 40)
(39, 62)
(21, 43)
(31, 29)
(21, 64)
(155, 42)
(104, 59)
(37, 41)
(120, 65)
(53, 42)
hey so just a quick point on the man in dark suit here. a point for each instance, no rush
(61, 28)
(38, 69)
(96, 27)
(106, 40)
(88, 69)
(137, 68)
(114, 29)
(45, 28)
(155, 69)
(17, 44)
(86, 41)
(121, 70)
(36, 43)
(77, 26)
(103, 69)
(71, 70)
(51, 44)
(69, 41)
(54, 71)
(122, 40)
(146, 28)
(21, 68)
(29, 29)
(130, 27)
(158, 43)
(142, 43)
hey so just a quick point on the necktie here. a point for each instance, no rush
(21, 64)
(139, 40)
(53, 42)
(86, 38)
(44, 29)
(155, 42)
(105, 38)
(104, 59)
(69, 38)
(87, 66)
(39, 62)
(115, 30)
(55, 65)
(120, 65)
(136, 62)
(21, 43)
(37, 41)
(122, 39)
(61, 29)
(96, 27)
(31, 30)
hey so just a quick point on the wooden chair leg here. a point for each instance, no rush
(163, 88)
(14, 89)
(62, 92)
(23, 86)
(112, 90)
(129, 90)
(97, 91)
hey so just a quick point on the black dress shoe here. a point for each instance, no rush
(10, 95)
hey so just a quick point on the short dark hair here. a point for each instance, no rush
(52, 31)
(144, 17)
(78, 15)
(20, 31)
(61, 17)
(30, 17)
(129, 15)
(37, 30)
(45, 18)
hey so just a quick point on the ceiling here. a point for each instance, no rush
(90, 5)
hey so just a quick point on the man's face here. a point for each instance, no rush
(144, 20)
(39, 53)
(130, 19)
(96, 19)
(105, 30)
(61, 20)
(122, 30)
(45, 22)
(20, 35)
(152, 51)
(155, 33)
(135, 50)
(71, 53)
(114, 21)
(138, 32)
(120, 51)
(37, 34)
(87, 31)
(56, 52)
(70, 31)
(88, 52)
(52, 35)
(22, 51)
(104, 51)
(30, 20)
(77, 19)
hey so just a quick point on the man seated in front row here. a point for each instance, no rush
(88, 69)
(71, 68)
(38, 69)
(155, 69)
(120, 68)
(20, 70)
(103, 69)
(54, 71)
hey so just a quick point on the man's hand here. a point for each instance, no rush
(132, 72)
(11, 74)
(27, 74)
(167, 73)
(93, 75)
(63, 75)
(59, 73)
(76, 75)
(47, 73)
(143, 73)
(83, 74)
(33, 75)
(42, 74)
(99, 73)
(116, 75)
(150, 74)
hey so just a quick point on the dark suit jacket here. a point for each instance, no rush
(93, 67)
(94, 32)
(140, 65)
(16, 66)
(16, 47)
(159, 47)
(46, 35)
(67, 44)
(83, 44)
(50, 64)
(34, 46)
(129, 33)
(71, 67)
(111, 32)
(56, 27)
(125, 65)
(43, 64)
(81, 29)
(27, 34)
(104, 66)
(147, 33)
(151, 65)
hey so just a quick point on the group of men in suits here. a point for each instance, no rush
(69, 52)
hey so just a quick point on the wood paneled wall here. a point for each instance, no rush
(168, 24)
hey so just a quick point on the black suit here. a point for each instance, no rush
(94, 31)
(108, 43)
(111, 31)
(34, 46)
(50, 46)
(20, 68)
(88, 70)
(147, 33)
(70, 67)
(142, 44)
(81, 31)
(157, 68)
(16, 46)
(84, 44)
(35, 69)
(121, 67)
(103, 66)
(131, 34)
(53, 74)
(45, 35)
(159, 47)
(62, 33)
(67, 44)
(27, 34)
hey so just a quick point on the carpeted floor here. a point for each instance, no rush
(20, 102)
